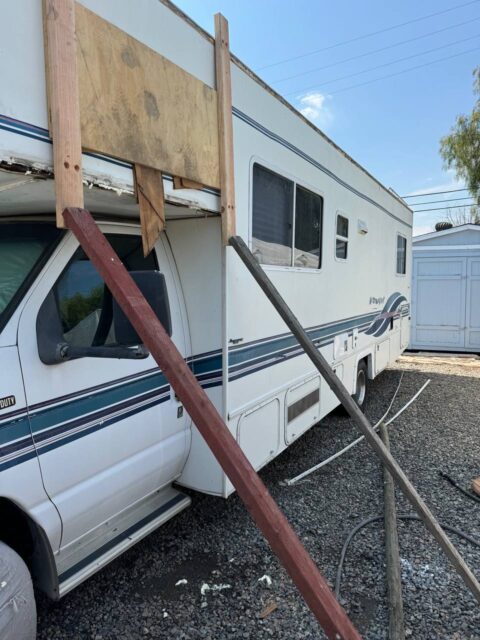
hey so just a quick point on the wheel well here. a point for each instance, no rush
(20, 532)
(368, 359)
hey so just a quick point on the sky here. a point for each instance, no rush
(392, 126)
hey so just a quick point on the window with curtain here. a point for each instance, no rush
(286, 221)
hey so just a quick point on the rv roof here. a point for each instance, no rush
(173, 7)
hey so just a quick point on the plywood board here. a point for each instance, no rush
(138, 106)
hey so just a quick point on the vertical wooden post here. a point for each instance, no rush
(225, 127)
(63, 103)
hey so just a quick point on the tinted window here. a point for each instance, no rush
(24, 248)
(401, 255)
(308, 229)
(85, 303)
(341, 240)
(272, 217)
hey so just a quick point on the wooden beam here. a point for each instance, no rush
(396, 625)
(363, 424)
(151, 201)
(263, 509)
(63, 103)
(225, 127)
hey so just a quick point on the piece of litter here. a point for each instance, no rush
(270, 608)
(3, 584)
(165, 614)
(266, 579)
(182, 581)
(215, 587)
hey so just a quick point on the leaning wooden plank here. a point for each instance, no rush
(137, 105)
(151, 201)
(63, 103)
(263, 509)
(225, 127)
(363, 424)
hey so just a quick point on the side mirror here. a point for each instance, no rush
(53, 348)
(153, 286)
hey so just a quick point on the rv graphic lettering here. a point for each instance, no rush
(377, 300)
(9, 401)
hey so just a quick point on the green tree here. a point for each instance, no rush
(460, 149)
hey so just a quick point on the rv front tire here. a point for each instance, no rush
(18, 613)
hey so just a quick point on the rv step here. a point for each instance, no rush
(81, 560)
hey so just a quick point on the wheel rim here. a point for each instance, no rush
(361, 387)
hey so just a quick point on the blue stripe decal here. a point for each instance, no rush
(39, 133)
(288, 145)
(65, 419)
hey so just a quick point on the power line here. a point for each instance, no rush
(414, 204)
(381, 66)
(433, 193)
(368, 35)
(458, 206)
(369, 53)
(398, 73)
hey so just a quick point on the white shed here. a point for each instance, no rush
(446, 290)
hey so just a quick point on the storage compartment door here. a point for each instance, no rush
(259, 432)
(382, 355)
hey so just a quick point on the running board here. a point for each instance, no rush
(117, 535)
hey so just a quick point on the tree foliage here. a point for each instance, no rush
(461, 148)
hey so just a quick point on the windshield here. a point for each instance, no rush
(24, 248)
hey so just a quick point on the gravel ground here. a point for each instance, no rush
(215, 543)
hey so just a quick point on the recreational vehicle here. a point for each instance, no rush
(95, 446)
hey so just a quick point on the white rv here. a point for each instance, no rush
(93, 450)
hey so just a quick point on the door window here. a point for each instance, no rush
(84, 301)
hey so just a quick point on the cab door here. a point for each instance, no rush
(108, 432)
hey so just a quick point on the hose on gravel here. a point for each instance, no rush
(369, 520)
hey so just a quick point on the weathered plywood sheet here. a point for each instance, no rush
(138, 106)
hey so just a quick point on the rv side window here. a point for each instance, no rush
(308, 229)
(286, 231)
(401, 255)
(85, 303)
(272, 217)
(341, 238)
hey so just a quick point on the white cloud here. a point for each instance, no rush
(314, 106)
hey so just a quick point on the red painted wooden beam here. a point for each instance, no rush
(263, 509)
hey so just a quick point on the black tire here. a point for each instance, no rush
(18, 613)
(362, 385)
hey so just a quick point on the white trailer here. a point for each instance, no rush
(90, 446)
